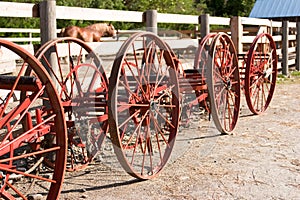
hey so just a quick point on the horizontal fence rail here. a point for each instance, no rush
(242, 29)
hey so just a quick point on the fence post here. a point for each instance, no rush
(285, 47)
(47, 20)
(204, 25)
(47, 9)
(150, 17)
(298, 47)
(236, 29)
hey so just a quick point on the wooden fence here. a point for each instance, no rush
(242, 29)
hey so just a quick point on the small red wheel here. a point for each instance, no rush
(32, 129)
(201, 64)
(143, 105)
(224, 83)
(261, 73)
(82, 86)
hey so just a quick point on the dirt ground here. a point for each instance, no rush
(259, 160)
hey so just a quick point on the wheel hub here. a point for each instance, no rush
(228, 84)
(153, 105)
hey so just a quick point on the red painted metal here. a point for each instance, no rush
(261, 73)
(82, 86)
(217, 68)
(148, 89)
(192, 82)
(224, 83)
(24, 144)
(143, 105)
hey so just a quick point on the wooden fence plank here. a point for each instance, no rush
(13, 9)
(177, 18)
(77, 13)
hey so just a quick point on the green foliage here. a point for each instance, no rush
(239, 7)
(101, 4)
(216, 7)
(295, 73)
(228, 8)
(162, 6)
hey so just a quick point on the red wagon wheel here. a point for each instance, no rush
(201, 64)
(261, 73)
(31, 130)
(224, 83)
(82, 86)
(143, 105)
(202, 54)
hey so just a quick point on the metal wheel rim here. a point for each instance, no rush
(261, 73)
(57, 118)
(117, 123)
(224, 81)
(75, 163)
(201, 63)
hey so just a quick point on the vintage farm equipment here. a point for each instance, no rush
(32, 130)
(66, 112)
(223, 79)
(63, 113)
(140, 104)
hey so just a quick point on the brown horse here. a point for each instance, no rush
(106, 29)
(85, 34)
(92, 33)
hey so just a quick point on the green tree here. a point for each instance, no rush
(216, 7)
(201, 7)
(162, 6)
(239, 7)
(190, 7)
(101, 4)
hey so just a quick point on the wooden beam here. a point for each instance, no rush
(285, 46)
(219, 21)
(48, 32)
(47, 20)
(237, 33)
(77, 13)
(298, 47)
(177, 18)
(150, 18)
(13, 9)
(204, 21)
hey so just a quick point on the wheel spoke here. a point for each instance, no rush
(147, 105)
(32, 129)
(83, 90)
(261, 71)
(224, 84)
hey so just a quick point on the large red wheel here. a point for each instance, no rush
(261, 73)
(31, 130)
(224, 83)
(201, 63)
(143, 105)
(202, 54)
(83, 89)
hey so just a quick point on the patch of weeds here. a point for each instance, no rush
(295, 74)
(293, 77)
(281, 78)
